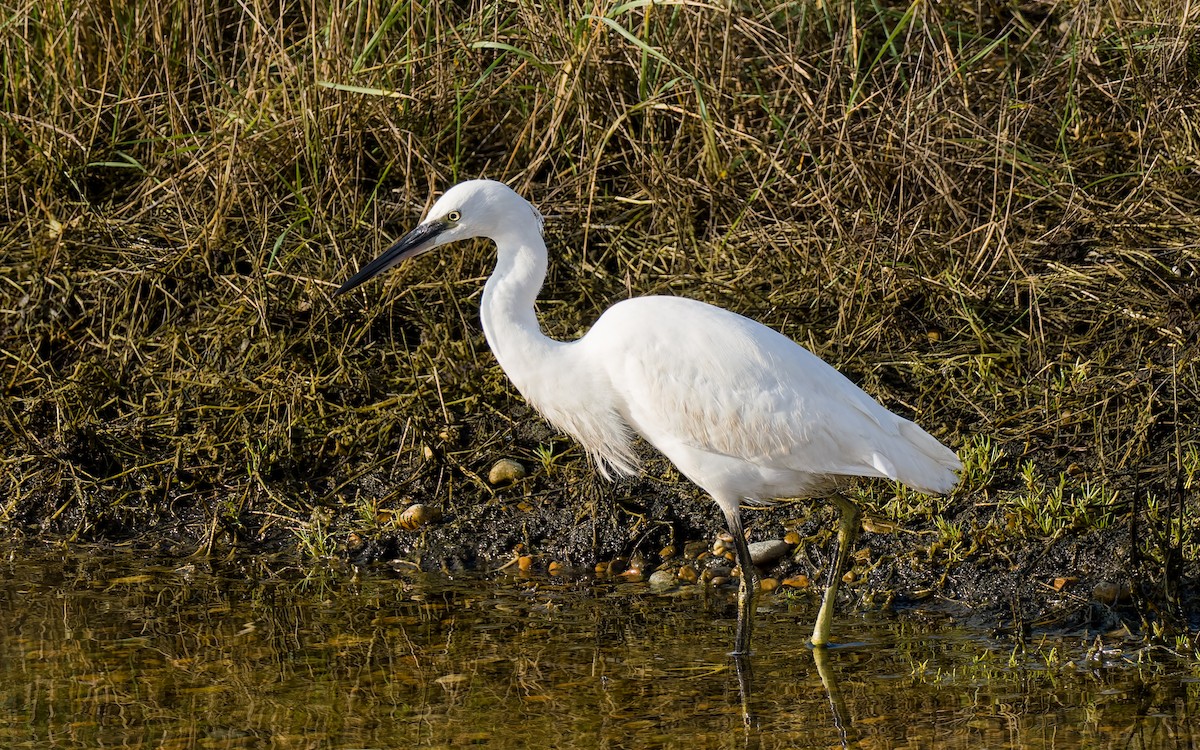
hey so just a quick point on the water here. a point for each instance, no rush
(115, 651)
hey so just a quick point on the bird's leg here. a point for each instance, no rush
(847, 533)
(745, 624)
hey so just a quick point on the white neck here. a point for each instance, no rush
(509, 319)
(555, 377)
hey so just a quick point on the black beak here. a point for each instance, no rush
(409, 246)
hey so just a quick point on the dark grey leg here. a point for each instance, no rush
(745, 623)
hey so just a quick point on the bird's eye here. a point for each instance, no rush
(454, 216)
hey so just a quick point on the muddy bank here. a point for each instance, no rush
(987, 220)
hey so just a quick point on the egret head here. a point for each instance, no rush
(477, 208)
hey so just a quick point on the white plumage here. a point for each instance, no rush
(743, 411)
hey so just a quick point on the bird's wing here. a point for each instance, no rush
(723, 383)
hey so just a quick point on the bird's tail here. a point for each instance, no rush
(920, 461)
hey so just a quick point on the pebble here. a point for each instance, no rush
(722, 544)
(1108, 592)
(717, 571)
(792, 538)
(661, 580)
(506, 471)
(556, 568)
(418, 515)
(693, 550)
(525, 563)
(769, 551)
(688, 573)
(797, 582)
(767, 585)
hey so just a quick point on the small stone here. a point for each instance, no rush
(797, 582)
(719, 581)
(1111, 593)
(661, 580)
(717, 571)
(555, 568)
(693, 550)
(666, 553)
(849, 577)
(506, 471)
(417, 515)
(769, 551)
(1062, 582)
(792, 538)
(525, 563)
(688, 573)
(767, 585)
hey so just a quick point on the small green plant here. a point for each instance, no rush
(981, 457)
(547, 458)
(314, 537)
(950, 534)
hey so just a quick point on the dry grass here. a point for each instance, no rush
(986, 214)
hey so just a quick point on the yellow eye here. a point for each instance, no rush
(454, 216)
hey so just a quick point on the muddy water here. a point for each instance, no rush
(116, 651)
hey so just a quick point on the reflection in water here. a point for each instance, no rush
(837, 704)
(744, 670)
(110, 651)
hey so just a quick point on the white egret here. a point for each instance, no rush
(742, 410)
